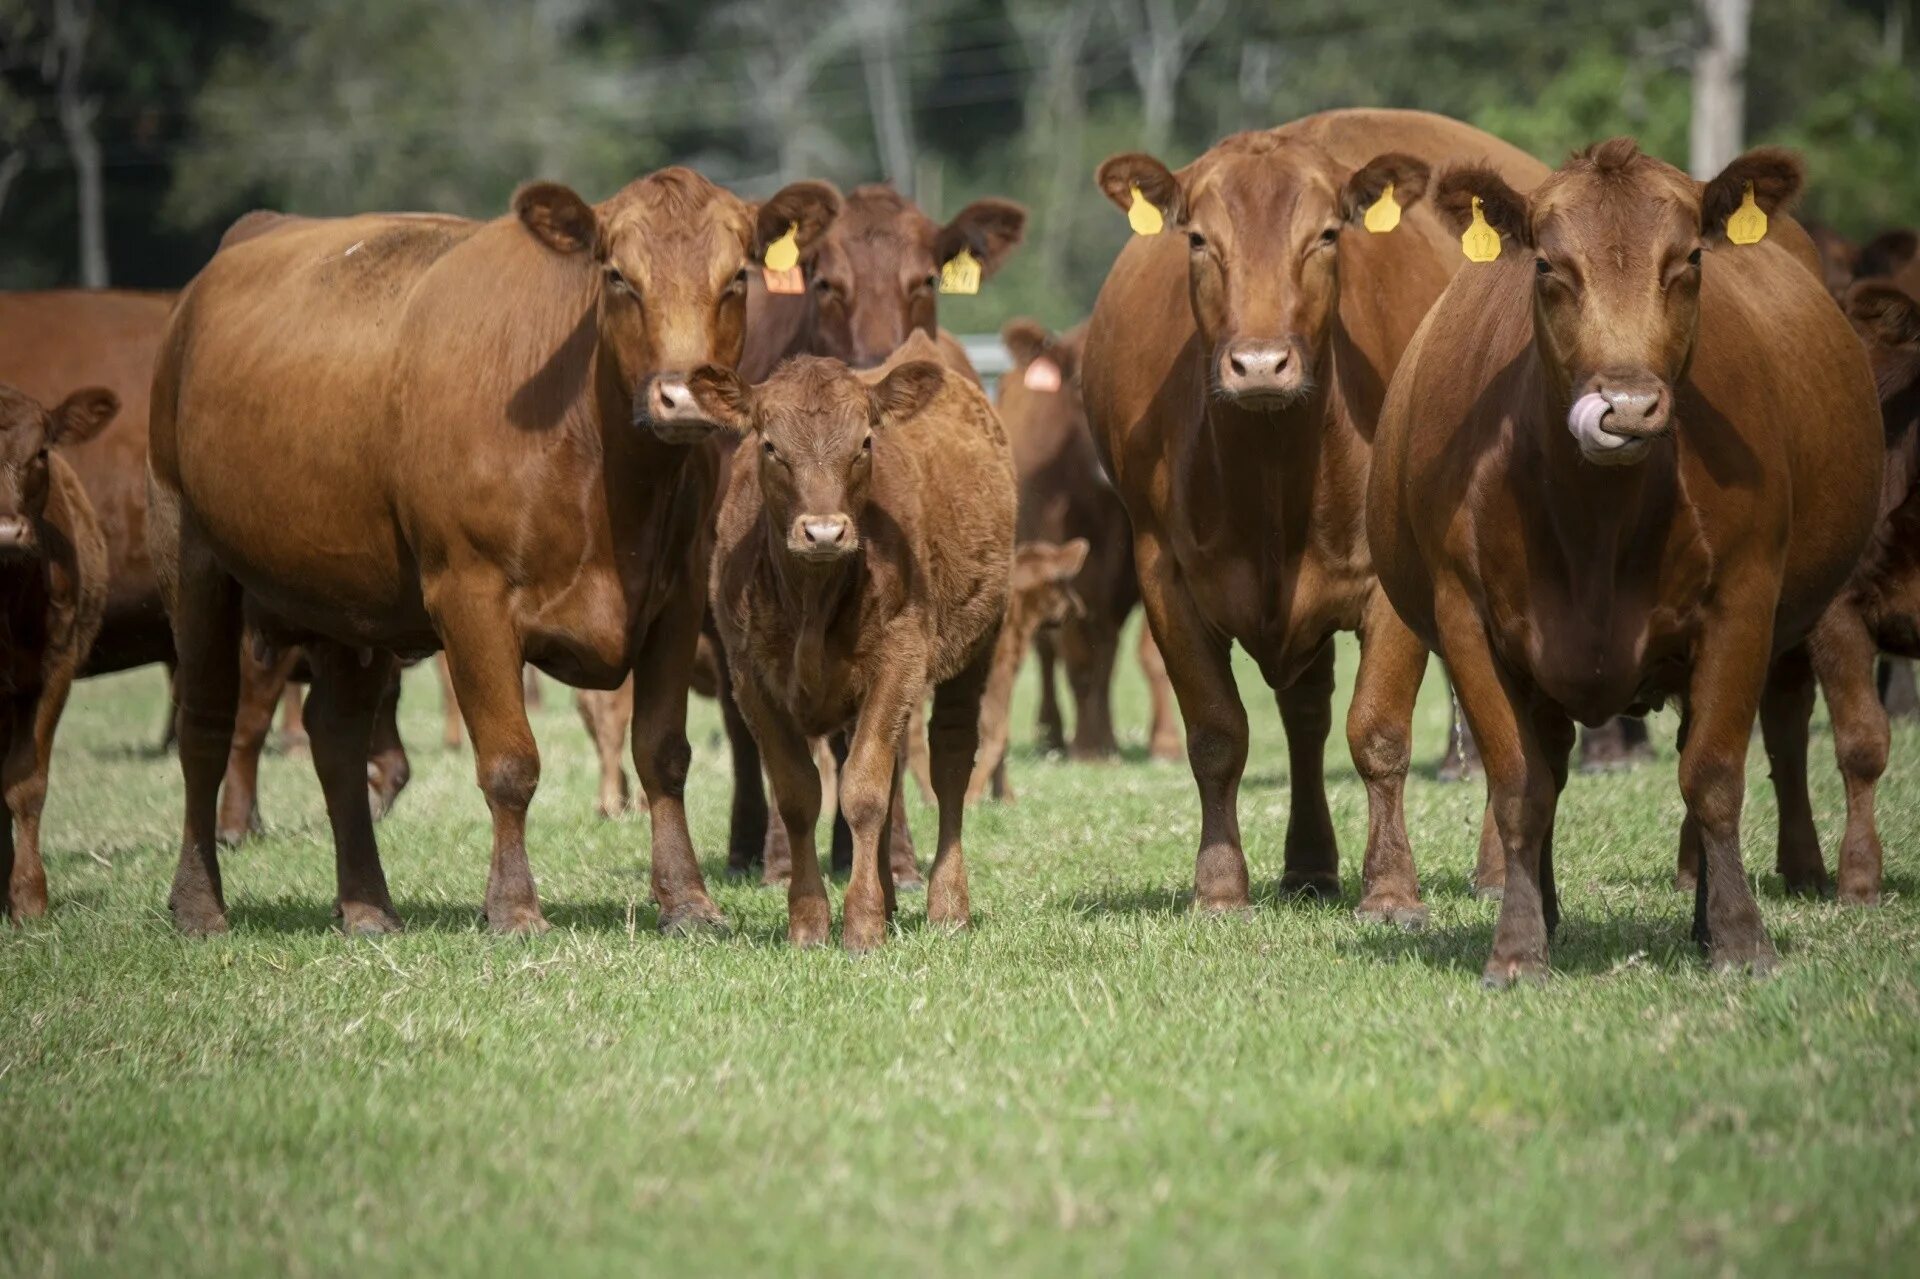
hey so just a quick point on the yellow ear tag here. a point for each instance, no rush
(1480, 242)
(1384, 214)
(782, 273)
(961, 274)
(1748, 224)
(1142, 216)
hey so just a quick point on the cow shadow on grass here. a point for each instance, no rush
(1162, 899)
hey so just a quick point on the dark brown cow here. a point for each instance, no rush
(53, 591)
(1626, 461)
(1235, 364)
(1064, 494)
(399, 433)
(862, 556)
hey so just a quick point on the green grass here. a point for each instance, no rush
(1093, 1080)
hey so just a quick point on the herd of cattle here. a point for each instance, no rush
(1603, 438)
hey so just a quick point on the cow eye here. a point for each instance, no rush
(1196, 241)
(1693, 258)
(821, 285)
(932, 281)
(769, 450)
(1330, 235)
(740, 278)
(617, 282)
(1542, 266)
(866, 445)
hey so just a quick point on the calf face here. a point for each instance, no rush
(1888, 321)
(814, 424)
(672, 252)
(875, 277)
(1041, 590)
(1263, 220)
(1618, 241)
(27, 432)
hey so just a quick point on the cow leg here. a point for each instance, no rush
(261, 683)
(1312, 854)
(841, 845)
(1163, 729)
(1686, 873)
(1898, 692)
(1462, 760)
(748, 829)
(344, 704)
(1723, 698)
(387, 768)
(917, 759)
(1052, 729)
(1199, 662)
(484, 658)
(1843, 652)
(903, 863)
(1554, 730)
(23, 786)
(536, 699)
(450, 732)
(955, 740)
(868, 782)
(1520, 788)
(1090, 650)
(167, 734)
(1785, 708)
(205, 607)
(796, 793)
(1380, 737)
(607, 717)
(989, 775)
(663, 672)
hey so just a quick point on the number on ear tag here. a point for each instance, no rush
(1480, 242)
(1748, 224)
(1384, 214)
(1143, 217)
(961, 274)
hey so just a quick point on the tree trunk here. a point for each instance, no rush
(72, 25)
(1718, 128)
(1055, 128)
(881, 37)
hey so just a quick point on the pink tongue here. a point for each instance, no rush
(1586, 413)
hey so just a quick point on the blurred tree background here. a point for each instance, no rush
(131, 133)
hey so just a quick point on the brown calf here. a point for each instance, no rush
(1040, 596)
(53, 591)
(862, 556)
(1235, 364)
(400, 433)
(1065, 494)
(1598, 484)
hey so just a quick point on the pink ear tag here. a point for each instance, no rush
(1042, 375)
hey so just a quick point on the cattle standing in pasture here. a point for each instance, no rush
(1235, 365)
(53, 592)
(1040, 596)
(397, 433)
(1064, 494)
(862, 556)
(870, 282)
(1626, 460)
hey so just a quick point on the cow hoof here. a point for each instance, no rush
(908, 881)
(1686, 882)
(809, 924)
(1321, 885)
(1859, 895)
(364, 919)
(1490, 892)
(520, 921)
(1808, 885)
(1410, 917)
(1504, 974)
(698, 918)
(861, 938)
(1756, 957)
(193, 922)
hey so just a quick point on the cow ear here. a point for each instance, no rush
(558, 217)
(1886, 254)
(991, 229)
(809, 208)
(82, 415)
(1888, 321)
(1118, 175)
(1776, 175)
(905, 391)
(722, 397)
(1504, 208)
(1404, 173)
(1026, 339)
(1071, 559)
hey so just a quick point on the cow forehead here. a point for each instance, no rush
(676, 216)
(1266, 188)
(22, 420)
(881, 216)
(1635, 208)
(814, 405)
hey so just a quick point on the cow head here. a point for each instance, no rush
(1617, 242)
(27, 432)
(1263, 219)
(1041, 592)
(1045, 368)
(671, 252)
(875, 277)
(1887, 319)
(814, 424)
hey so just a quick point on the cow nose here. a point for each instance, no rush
(16, 532)
(1635, 408)
(1260, 368)
(670, 397)
(827, 532)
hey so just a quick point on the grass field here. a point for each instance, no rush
(1093, 1080)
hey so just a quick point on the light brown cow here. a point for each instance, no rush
(1235, 364)
(1040, 596)
(1064, 494)
(1598, 485)
(862, 556)
(400, 433)
(53, 591)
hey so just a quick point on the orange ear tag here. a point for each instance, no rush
(782, 270)
(1042, 375)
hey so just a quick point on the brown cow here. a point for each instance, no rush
(53, 591)
(1625, 461)
(862, 556)
(1065, 494)
(59, 338)
(1040, 595)
(1235, 364)
(870, 281)
(399, 433)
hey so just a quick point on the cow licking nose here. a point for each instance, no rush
(1619, 416)
(1262, 373)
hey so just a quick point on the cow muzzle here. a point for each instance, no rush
(1618, 419)
(668, 408)
(16, 535)
(822, 537)
(1262, 374)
